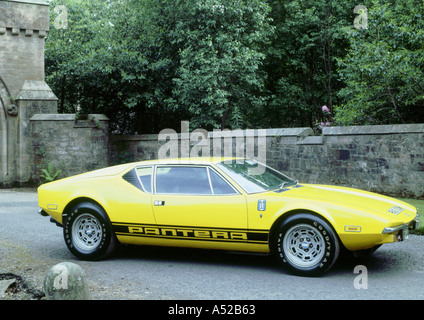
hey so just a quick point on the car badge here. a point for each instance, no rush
(261, 205)
(395, 210)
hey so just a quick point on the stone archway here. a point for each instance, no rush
(5, 105)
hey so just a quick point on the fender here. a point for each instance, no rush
(85, 195)
(290, 209)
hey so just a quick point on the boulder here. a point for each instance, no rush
(66, 281)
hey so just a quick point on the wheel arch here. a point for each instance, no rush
(79, 200)
(286, 215)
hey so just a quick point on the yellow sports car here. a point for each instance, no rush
(229, 204)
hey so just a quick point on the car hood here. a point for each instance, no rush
(355, 199)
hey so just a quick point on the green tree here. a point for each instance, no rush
(145, 31)
(301, 61)
(149, 64)
(79, 57)
(383, 70)
(221, 49)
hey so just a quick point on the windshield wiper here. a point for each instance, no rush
(292, 183)
(281, 185)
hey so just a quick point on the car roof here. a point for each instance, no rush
(192, 160)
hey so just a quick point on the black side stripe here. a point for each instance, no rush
(191, 233)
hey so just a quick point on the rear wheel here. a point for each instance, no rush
(307, 245)
(88, 233)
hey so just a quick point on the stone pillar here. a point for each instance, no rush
(35, 98)
(6, 106)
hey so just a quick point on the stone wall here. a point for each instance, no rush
(387, 159)
(73, 145)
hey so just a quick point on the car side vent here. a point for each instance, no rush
(131, 177)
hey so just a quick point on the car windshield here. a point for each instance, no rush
(253, 176)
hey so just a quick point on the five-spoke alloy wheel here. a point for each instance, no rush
(307, 245)
(87, 232)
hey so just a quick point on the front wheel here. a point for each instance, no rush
(88, 233)
(307, 245)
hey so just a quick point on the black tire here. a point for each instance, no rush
(88, 232)
(306, 245)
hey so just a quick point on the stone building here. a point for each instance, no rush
(32, 133)
(23, 27)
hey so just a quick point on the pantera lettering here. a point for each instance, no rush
(186, 233)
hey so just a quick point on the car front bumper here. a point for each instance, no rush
(401, 232)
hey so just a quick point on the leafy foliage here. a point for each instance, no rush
(149, 64)
(50, 174)
(302, 59)
(221, 45)
(383, 69)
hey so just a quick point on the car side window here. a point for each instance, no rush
(145, 175)
(219, 185)
(182, 180)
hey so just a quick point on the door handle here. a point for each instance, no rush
(159, 203)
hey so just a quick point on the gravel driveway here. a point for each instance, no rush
(30, 245)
